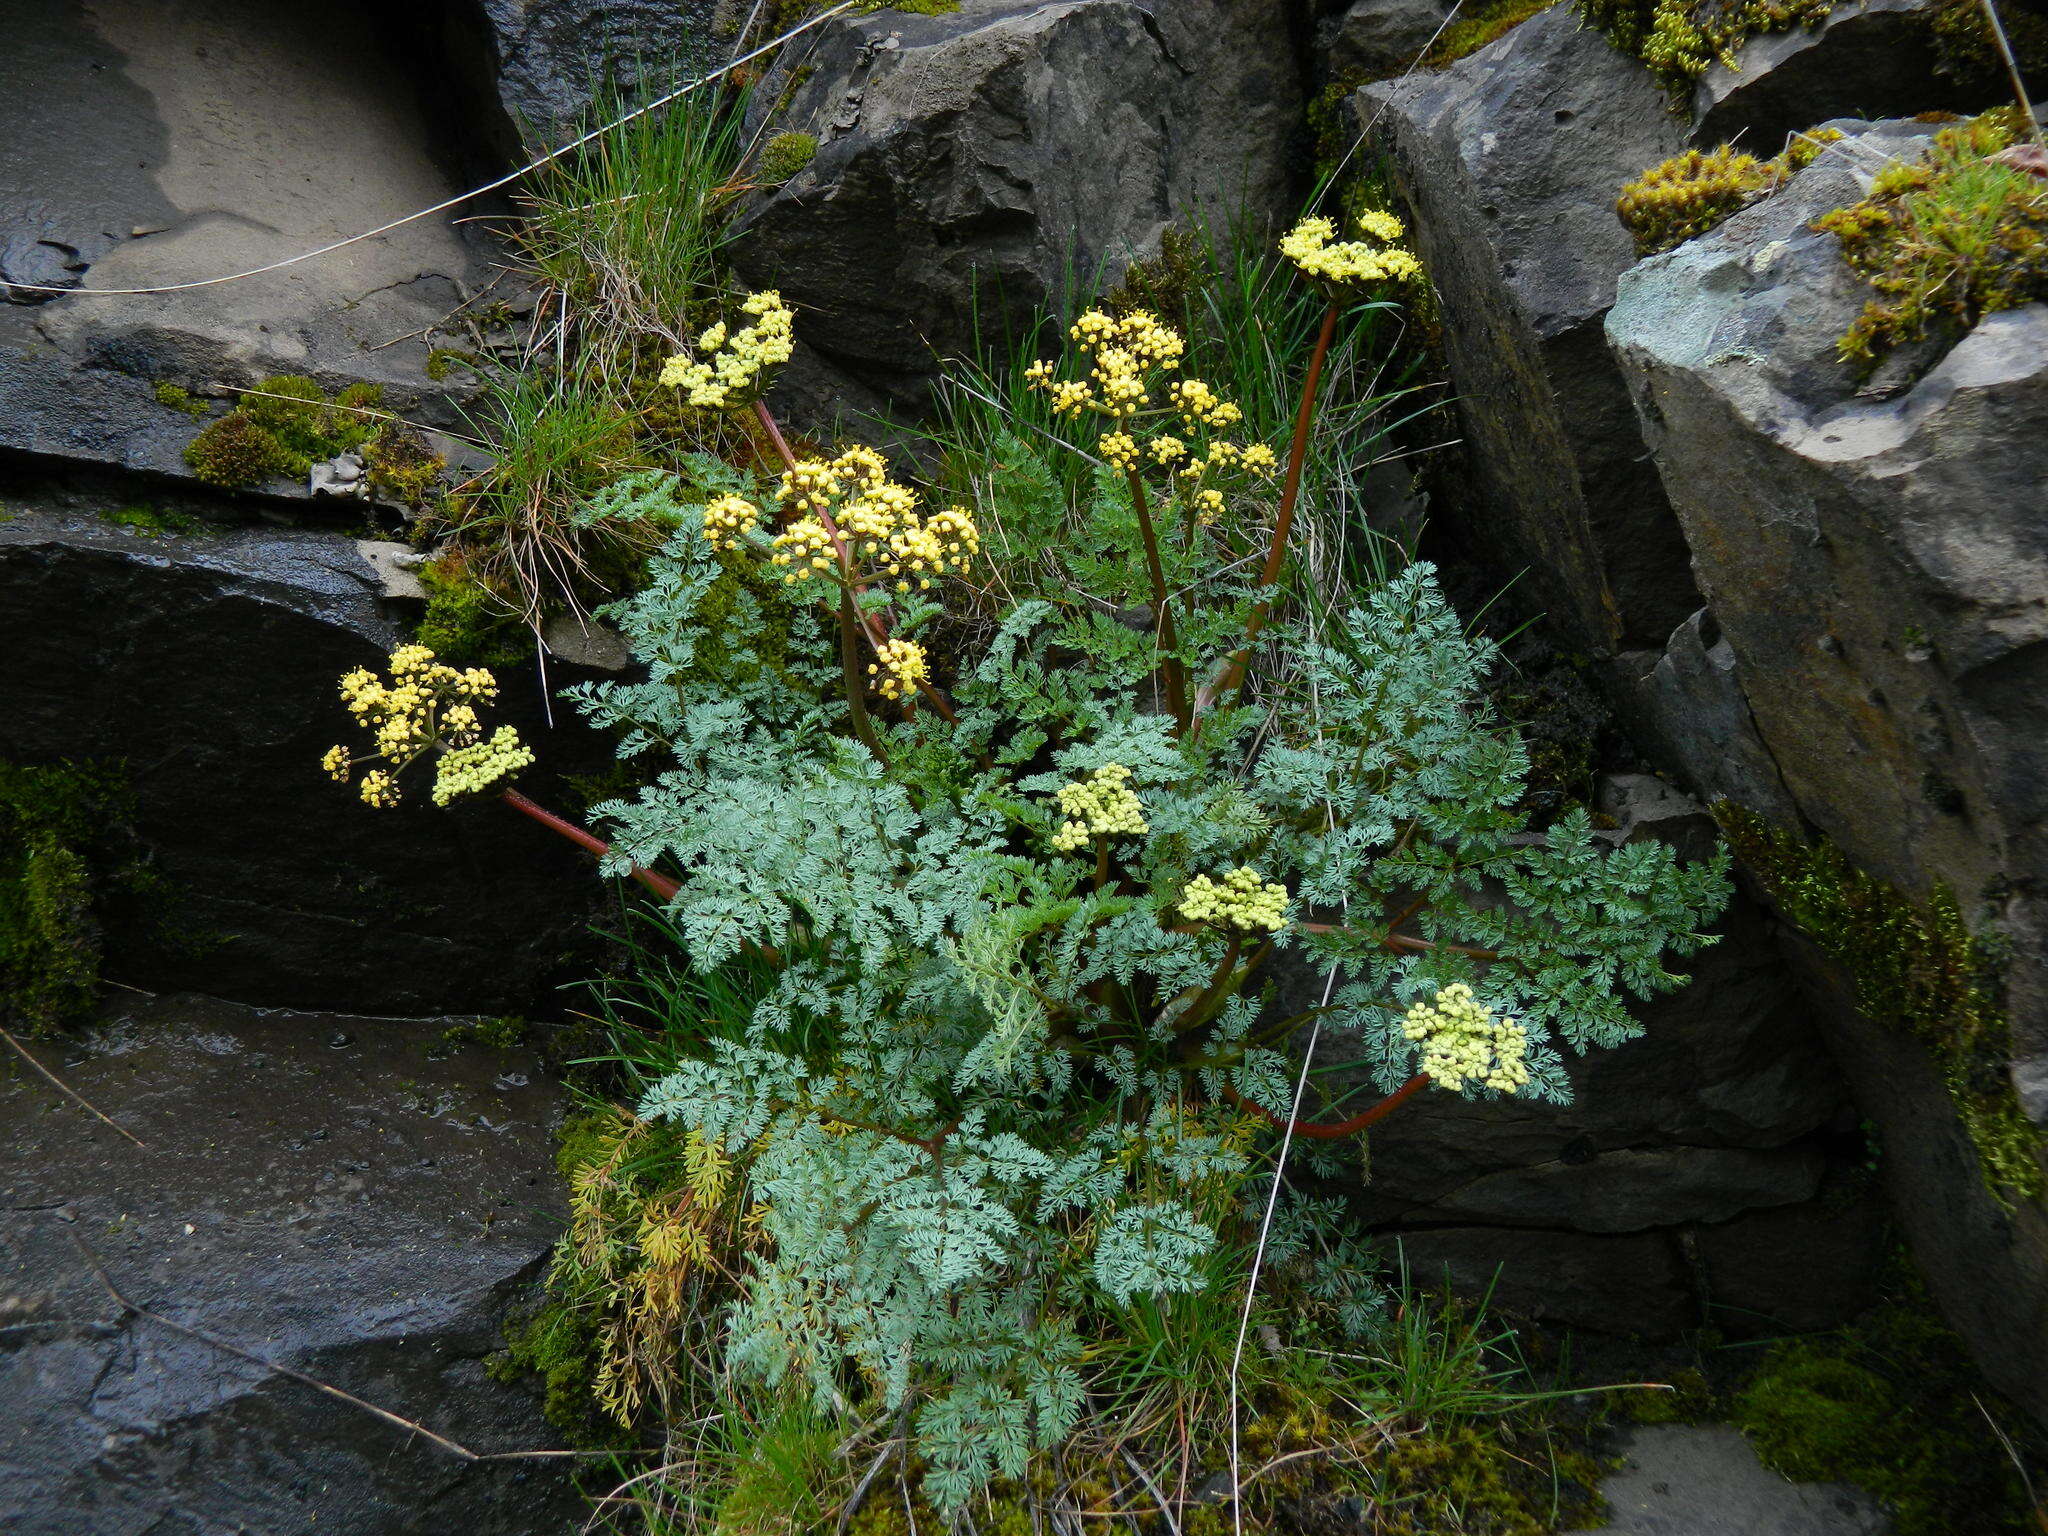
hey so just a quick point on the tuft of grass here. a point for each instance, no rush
(520, 524)
(1945, 240)
(626, 232)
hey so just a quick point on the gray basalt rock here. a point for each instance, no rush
(1870, 59)
(1508, 161)
(313, 1190)
(550, 58)
(1373, 37)
(199, 141)
(206, 664)
(1877, 562)
(970, 166)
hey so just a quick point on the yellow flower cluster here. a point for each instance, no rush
(729, 519)
(729, 366)
(475, 768)
(1101, 805)
(1312, 245)
(1122, 351)
(425, 707)
(898, 667)
(1241, 899)
(1198, 403)
(878, 521)
(1462, 1041)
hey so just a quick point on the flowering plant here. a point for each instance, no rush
(1025, 850)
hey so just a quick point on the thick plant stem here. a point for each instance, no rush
(661, 885)
(1338, 1130)
(871, 624)
(849, 667)
(1169, 636)
(1230, 675)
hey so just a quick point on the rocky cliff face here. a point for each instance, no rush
(1822, 604)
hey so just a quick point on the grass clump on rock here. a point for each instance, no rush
(1945, 240)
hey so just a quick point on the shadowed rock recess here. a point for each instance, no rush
(1822, 598)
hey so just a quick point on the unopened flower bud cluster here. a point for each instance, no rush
(1463, 1041)
(1242, 899)
(1101, 805)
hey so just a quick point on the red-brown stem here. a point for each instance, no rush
(1231, 674)
(870, 623)
(1342, 1128)
(1169, 636)
(661, 885)
(1408, 941)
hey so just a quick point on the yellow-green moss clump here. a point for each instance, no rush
(1474, 29)
(1921, 972)
(281, 428)
(783, 156)
(1692, 193)
(178, 398)
(1945, 240)
(400, 466)
(1965, 49)
(1680, 39)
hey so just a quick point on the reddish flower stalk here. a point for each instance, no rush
(871, 624)
(661, 885)
(1337, 1130)
(1231, 674)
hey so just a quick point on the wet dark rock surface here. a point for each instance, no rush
(1704, 1480)
(313, 1189)
(206, 663)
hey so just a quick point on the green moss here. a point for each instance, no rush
(556, 1347)
(1919, 971)
(1474, 29)
(783, 156)
(281, 428)
(501, 1034)
(234, 452)
(1946, 240)
(400, 465)
(465, 625)
(1680, 39)
(1894, 1405)
(178, 398)
(443, 361)
(1692, 193)
(52, 819)
(153, 522)
(1965, 49)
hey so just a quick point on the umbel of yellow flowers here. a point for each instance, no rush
(426, 708)
(1101, 805)
(729, 365)
(1242, 899)
(1341, 266)
(1462, 1039)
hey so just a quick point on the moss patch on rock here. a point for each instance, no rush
(1945, 240)
(1893, 1405)
(52, 820)
(1693, 193)
(1680, 39)
(1917, 970)
(783, 156)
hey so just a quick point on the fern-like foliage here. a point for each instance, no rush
(1039, 1085)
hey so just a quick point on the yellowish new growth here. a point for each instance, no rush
(425, 707)
(1312, 245)
(1241, 899)
(1101, 805)
(1463, 1041)
(728, 367)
